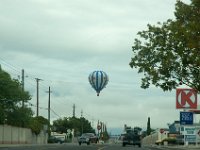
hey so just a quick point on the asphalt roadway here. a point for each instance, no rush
(75, 146)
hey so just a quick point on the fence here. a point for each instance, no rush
(17, 135)
(155, 138)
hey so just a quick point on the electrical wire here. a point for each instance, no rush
(43, 85)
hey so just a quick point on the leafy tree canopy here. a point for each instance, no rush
(11, 111)
(168, 54)
(11, 89)
(20, 117)
(78, 124)
(37, 124)
(11, 96)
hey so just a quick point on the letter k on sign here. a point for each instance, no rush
(186, 98)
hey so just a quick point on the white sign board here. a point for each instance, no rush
(189, 130)
(191, 133)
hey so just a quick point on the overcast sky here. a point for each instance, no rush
(63, 41)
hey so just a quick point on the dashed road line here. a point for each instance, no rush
(101, 148)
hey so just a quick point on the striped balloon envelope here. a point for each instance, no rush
(98, 80)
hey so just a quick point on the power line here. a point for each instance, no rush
(10, 65)
(44, 108)
(15, 69)
(56, 113)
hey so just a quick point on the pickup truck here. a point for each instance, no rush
(131, 137)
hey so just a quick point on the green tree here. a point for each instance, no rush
(86, 126)
(105, 134)
(11, 97)
(20, 117)
(168, 53)
(78, 124)
(148, 127)
(37, 124)
(59, 125)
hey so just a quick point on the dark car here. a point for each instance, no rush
(131, 138)
(53, 139)
(87, 138)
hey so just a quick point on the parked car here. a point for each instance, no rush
(53, 139)
(87, 138)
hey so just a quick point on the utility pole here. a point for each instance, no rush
(22, 82)
(74, 110)
(101, 124)
(98, 128)
(81, 113)
(93, 122)
(22, 86)
(49, 102)
(82, 121)
(49, 108)
(37, 80)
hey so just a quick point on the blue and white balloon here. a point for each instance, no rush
(98, 80)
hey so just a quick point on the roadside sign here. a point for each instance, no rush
(186, 118)
(189, 130)
(190, 138)
(186, 98)
(68, 131)
(190, 133)
(162, 131)
(99, 127)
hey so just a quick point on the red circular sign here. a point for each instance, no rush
(162, 131)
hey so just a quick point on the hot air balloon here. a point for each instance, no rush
(98, 80)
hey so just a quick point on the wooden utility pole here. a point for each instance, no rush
(74, 110)
(98, 127)
(22, 86)
(82, 121)
(37, 80)
(49, 108)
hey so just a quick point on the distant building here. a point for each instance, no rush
(174, 127)
(185, 133)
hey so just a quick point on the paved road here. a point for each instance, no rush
(73, 147)
(88, 147)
